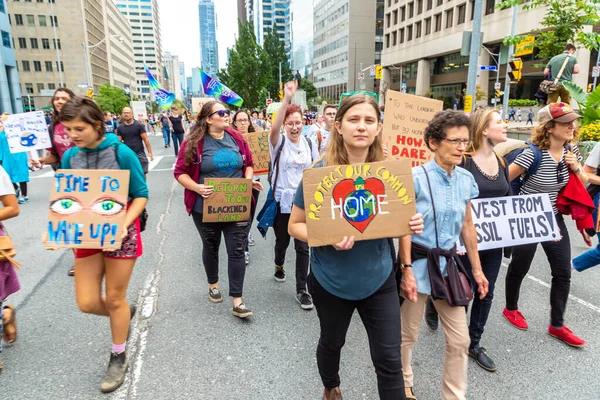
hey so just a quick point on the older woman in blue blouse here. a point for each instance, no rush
(442, 185)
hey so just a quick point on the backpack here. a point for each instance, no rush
(276, 162)
(519, 181)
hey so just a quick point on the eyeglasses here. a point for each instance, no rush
(458, 142)
(292, 124)
(355, 92)
(221, 113)
(241, 121)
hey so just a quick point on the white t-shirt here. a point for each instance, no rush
(294, 158)
(6, 186)
(315, 138)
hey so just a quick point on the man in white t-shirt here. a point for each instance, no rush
(320, 136)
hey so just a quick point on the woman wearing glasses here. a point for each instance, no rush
(214, 150)
(554, 136)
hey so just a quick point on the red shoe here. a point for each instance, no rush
(516, 319)
(566, 335)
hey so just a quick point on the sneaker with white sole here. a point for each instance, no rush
(242, 311)
(214, 295)
(247, 257)
(279, 274)
(251, 241)
(305, 300)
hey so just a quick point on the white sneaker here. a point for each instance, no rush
(247, 257)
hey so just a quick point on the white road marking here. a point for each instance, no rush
(154, 162)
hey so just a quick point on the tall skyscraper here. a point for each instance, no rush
(144, 19)
(172, 79)
(209, 57)
(302, 38)
(10, 89)
(265, 14)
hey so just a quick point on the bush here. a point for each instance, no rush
(585, 148)
(522, 103)
(590, 132)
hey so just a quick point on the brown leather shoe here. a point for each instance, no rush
(332, 394)
(410, 395)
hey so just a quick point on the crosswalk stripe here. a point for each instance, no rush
(154, 162)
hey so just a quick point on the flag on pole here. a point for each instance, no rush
(163, 97)
(213, 87)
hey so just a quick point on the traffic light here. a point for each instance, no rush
(515, 65)
(590, 88)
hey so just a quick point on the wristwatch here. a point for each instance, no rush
(404, 266)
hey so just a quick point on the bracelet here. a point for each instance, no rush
(404, 266)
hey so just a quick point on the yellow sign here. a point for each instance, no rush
(378, 72)
(468, 103)
(525, 47)
(90, 93)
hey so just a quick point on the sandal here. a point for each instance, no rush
(11, 324)
(71, 272)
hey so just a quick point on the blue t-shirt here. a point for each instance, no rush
(353, 274)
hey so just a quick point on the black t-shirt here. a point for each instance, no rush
(132, 136)
(177, 125)
(488, 188)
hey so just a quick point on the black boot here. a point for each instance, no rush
(483, 360)
(115, 375)
(431, 315)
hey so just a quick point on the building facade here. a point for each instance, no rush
(422, 46)
(144, 18)
(182, 80)
(10, 91)
(344, 38)
(302, 39)
(242, 10)
(209, 48)
(172, 77)
(195, 89)
(266, 14)
(119, 41)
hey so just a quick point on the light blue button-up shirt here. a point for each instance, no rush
(451, 194)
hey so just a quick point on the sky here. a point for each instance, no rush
(180, 30)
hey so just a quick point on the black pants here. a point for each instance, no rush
(380, 314)
(177, 139)
(491, 260)
(235, 240)
(559, 257)
(282, 241)
(22, 186)
(255, 194)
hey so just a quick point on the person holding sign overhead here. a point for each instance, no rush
(353, 275)
(84, 123)
(214, 150)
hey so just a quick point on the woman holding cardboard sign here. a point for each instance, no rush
(84, 123)
(353, 275)
(214, 150)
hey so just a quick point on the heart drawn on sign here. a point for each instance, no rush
(358, 200)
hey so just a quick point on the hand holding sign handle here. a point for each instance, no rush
(45, 241)
(123, 236)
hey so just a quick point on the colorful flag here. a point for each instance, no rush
(163, 98)
(213, 87)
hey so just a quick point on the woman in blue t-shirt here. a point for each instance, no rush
(353, 275)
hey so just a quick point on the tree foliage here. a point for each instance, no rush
(274, 53)
(563, 23)
(111, 98)
(309, 88)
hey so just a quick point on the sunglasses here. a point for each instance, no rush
(355, 92)
(221, 113)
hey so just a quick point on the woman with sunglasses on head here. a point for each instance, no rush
(214, 150)
(341, 280)
(554, 137)
(290, 154)
(84, 123)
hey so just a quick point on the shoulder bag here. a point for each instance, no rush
(548, 85)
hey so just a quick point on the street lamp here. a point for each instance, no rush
(93, 48)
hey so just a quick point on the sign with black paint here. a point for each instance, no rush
(512, 221)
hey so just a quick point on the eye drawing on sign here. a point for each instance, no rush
(107, 207)
(358, 201)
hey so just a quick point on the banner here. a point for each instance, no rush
(139, 111)
(259, 147)
(406, 117)
(230, 201)
(163, 98)
(26, 131)
(87, 208)
(213, 87)
(513, 220)
(367, 201)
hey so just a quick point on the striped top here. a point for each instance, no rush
(547, 177)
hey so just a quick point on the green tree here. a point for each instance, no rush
(111, 98)
(274, 50)
(563, 23)
(309, 88)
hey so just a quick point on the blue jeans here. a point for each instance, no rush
(590, 258)
(177, 139)
(167, 136)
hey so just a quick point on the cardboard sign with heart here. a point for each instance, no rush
(367, 201)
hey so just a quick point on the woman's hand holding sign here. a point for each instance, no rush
(346, 244)
(204, 190)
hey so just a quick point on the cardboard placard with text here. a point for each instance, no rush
(259, 147)
(367, 201)
(230, 200)
(406, 117)
(87, 208)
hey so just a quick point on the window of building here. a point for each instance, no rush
(26, 66)
(395, 17)
(419, 6)
(6, 39)
(30, 19)
(40, 87)
(449, 17)
(52, 86)
(2, 7)
(438, 22)
(409, 33)
(411, 9)
(490, 5)
(22, 43)
(387, 20)
(54, 20)
(34, 43)
(418, 30)
(402, 13)
(51, 1)
(387, 41)
(48, 66)
(46, 44)
(18, 19)
(37, 66)
(462, 11)
(472, 2)
(440, 2)
(394, 38)
(56, 44)
(427, 26)
(29, 88)
(42, 20)
(401, 35)
(429, 4)
(40, 1)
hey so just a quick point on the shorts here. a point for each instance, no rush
(144, 161)
(131, 247)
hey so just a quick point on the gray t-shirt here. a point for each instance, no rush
(221, 158)
(593, 160)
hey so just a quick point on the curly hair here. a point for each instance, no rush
(442, 121)
(541, 135)
(197, 132)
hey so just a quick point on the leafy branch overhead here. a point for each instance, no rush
(563, 23)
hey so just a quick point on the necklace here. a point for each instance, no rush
(487, 176)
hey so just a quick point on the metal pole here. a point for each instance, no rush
(474, 51)
(511, 51)
(87, 67)
(60, 71)
(597, 64)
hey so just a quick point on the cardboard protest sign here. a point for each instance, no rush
(230, 200)
(259, 147)
(26, 131)
(367, 201)
(87, 208)
(406, 117)
(514, 220)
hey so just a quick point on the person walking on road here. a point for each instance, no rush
(166, 129)
(214, 150)
(109, 123)
(133, 134)
(567, 62)
(83, 121)
(519, 119)
(177, 129)
(340, 279)
(555, 137)
(530, 116)
(290, 154)
(320, 135)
